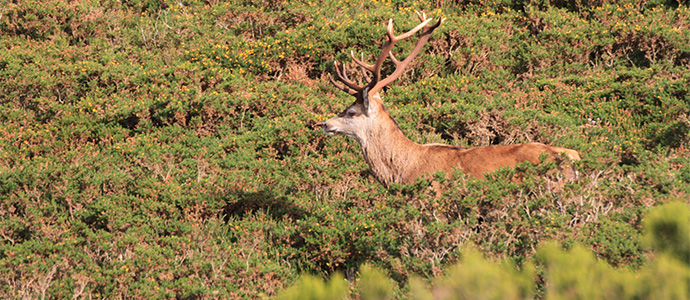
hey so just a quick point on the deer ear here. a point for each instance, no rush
(365, 98)
(371, 105)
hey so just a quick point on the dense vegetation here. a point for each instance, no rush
(567, 274)
(163, 149)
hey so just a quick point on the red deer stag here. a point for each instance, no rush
(395, 158)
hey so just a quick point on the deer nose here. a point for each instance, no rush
(327, 129)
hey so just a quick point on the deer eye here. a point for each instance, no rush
(350, 113)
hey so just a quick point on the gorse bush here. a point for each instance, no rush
(172, 149)
(667, 231)
(573, 273)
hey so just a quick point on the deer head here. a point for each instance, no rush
(367, 115)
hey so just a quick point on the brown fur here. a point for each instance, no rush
(395, 158)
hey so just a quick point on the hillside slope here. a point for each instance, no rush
(167, 149)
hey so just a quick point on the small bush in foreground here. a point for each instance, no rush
(573, 273)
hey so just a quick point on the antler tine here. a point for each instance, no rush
(362, 65)
(405, 35)
(364, 69)
(422, 16)
(342, 75)
(342, 87)
(361, 62)
(347, 85)
(392, 57)
(377, 84)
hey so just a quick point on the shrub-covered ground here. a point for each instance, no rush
(162, 149)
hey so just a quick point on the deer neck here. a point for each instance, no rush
(389, 153)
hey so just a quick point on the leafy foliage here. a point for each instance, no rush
(171, 148)
(568, 274)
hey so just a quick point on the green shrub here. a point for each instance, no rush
(567, 274)
(169, 149)
(310, 287)
(667, 230)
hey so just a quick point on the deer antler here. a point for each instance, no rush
(375, 84)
